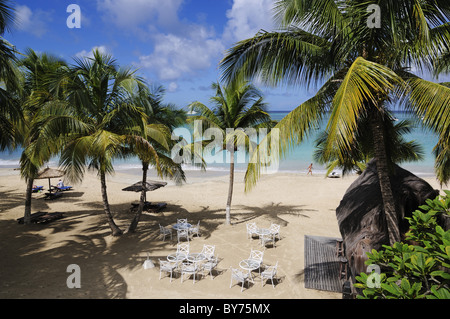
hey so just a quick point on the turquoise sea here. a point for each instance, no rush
(296, 161)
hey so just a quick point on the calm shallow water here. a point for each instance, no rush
(296, 161)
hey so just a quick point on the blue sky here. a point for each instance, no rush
(174, 43)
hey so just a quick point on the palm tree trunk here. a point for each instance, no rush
(28, 196)
(137, 216)
(383, 167)
(230, 189)
(115, 230)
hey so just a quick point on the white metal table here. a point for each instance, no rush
(249, 265)
(177, 257)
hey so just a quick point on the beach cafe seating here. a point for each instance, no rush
(195, 229)
(239, 276)
(267, 239)
(208, 251)
(275, 230)
(257, 255)
(168, 267)
(182, 221)
(190, 269)
(251, 229)
(183, 233)
(269, 273)
(183, 249)
(164, 232)
(210, 264)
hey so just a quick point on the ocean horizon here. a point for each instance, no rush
(296, 161)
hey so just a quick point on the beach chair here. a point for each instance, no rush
(190, 269)
(183, 233)
(208, 251)
(183, 249)
(275, 230)
(269, 273)
(210, 264)
(36, 189)
(238, 276)
(257, 256)
(195, 229)
(63, 188)
(168, 267)
(267, 239)
(251, 229)
(164, 232)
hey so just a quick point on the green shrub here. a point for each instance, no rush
(418, 267)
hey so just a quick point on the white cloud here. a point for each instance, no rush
(134, 13)
(173, 86)
(32, 22)
(246, 18)
(88, 54)
(175, 57)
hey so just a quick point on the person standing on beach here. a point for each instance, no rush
(309, 169)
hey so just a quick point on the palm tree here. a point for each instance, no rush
(102, 120)
(362, 70)
(10, 111)
(161, 120)
(357, 157)
(237, 106)
(36, 100)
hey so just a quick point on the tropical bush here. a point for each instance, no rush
(417, 268)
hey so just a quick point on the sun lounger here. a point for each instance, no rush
(51, 196)
(150, 207)
(42, 217)
(37, 189)
(63, 188)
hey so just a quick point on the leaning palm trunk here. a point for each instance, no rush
(116, 231)
(27, 215)
(230, 189)
(383, 168)
(138, 214)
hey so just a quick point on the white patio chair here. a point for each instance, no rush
(195, 229)
(275, 230)
(251, 229)
(183, 233)
(183, 248)
(267, 239)
(257, 256)
(190, 269)
(164, 232)
(238, 276)
(167, 266)
(210, 264)
(182, 221)
(208, 251)
(269, 273)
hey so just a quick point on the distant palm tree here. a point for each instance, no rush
(363, 69)
(102, 122)
(359, 154)
(161, 120)
(237, 106)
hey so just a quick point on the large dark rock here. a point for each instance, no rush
(361, 217)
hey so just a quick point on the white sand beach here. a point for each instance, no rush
(34, 258)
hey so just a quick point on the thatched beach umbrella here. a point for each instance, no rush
(148, 186)
(49, 173)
